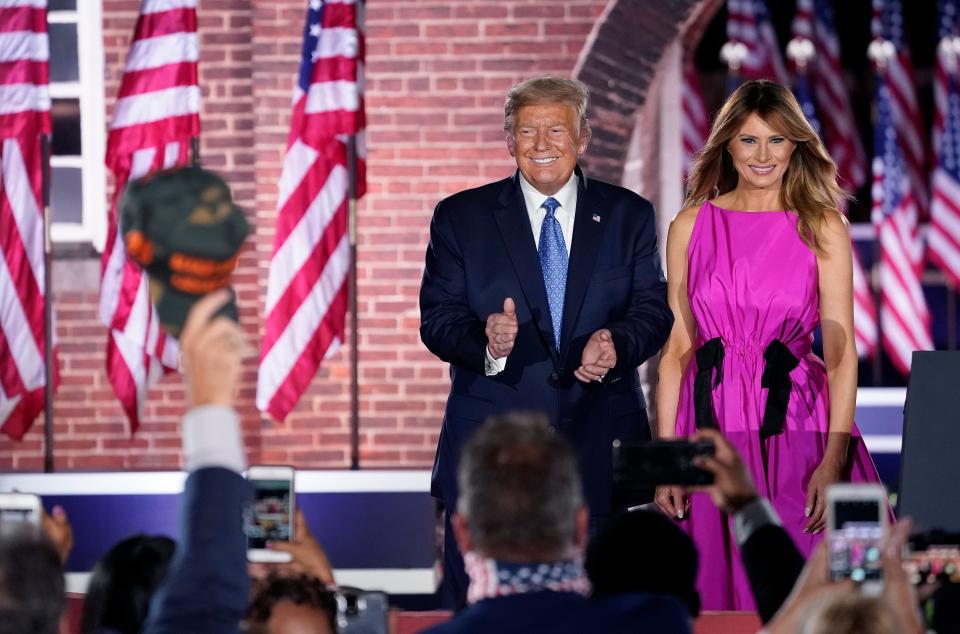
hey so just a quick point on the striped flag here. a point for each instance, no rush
(887, 24)
(814, 20)
(944, 235)
(904, 317)
(813, 23)
(695, 124)
(307, 286)
(948, 27)
(156, 114)
(24, 118)
(749, 24)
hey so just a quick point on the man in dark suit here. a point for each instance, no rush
(522, 525)
(543, 291)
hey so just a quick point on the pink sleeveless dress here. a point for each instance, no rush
(753, 289)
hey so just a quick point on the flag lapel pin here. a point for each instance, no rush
(596, 217)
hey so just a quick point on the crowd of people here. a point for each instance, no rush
(544, 292)
(521, 524)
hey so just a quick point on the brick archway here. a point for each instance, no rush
(619, 64)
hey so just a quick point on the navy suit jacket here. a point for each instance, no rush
(564, 612)
(481, 251)
(207, 587)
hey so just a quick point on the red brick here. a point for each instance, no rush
(435, 91)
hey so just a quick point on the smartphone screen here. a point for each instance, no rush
(268, 516)
(648, 463)
(855, 540)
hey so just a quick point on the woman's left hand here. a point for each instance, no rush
(827, 473)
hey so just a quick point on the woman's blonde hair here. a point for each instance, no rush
(810, 182)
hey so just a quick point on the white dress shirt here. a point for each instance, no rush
(565, 214)
(211, 438)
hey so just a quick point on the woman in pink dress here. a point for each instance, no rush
(756, 261)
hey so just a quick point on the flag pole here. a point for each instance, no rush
(352, 308)
(951, 315)
(195, 151)
(878, 52)
(48, 466)
(352, 275)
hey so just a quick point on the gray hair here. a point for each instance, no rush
(547, 89)
(520, 488)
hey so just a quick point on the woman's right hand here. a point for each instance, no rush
(672, 500)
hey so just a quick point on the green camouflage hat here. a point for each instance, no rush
(181, 225)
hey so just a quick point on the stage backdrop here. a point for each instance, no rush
(436, 76)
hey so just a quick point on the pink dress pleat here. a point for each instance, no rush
(752, 280)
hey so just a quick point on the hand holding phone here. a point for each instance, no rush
(856, 529)
(732, 487)
(270, 516)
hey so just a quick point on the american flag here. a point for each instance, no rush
(695, 124)
(949, 13)
(944, 235)
(307, 286)
(24, 118)
(749, 24)
(801, 90)
(904, 317)
(813, 22)
(156, 114)
(887, 23)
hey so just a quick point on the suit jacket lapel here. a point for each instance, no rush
(514, 224)
(587, 235)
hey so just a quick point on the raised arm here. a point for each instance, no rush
(207, 585)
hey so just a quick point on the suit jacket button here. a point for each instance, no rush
(554, 376)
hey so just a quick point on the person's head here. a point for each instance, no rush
(545, 119)
(852, 613)
(520, 493)
(761, 140)
(643, 551)
(293, 605)
(123, 582)
(31, 582)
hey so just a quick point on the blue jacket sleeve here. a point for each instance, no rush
(448, 326)
(646, 325)
(207, 587)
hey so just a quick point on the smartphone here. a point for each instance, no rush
(269, 517)
(20, 508)
(362, 611)
(856, 526)
(655, 462)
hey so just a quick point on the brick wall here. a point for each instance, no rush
(436, 76)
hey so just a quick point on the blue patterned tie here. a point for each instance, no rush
(553, 262)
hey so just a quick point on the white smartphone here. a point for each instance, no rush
(856, 526)
(269, 517)
(20, 508)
